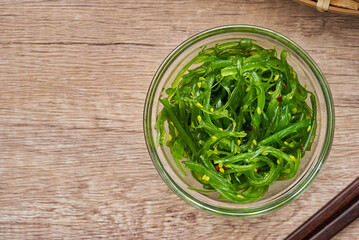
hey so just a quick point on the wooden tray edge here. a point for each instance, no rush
(331, 8)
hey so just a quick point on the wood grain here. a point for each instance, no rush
(73, 79)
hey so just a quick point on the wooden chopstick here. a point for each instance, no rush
(343, 220)
(333, 217)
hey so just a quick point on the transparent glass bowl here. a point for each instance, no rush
(281, 192)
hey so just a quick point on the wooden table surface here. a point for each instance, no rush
(73, 80)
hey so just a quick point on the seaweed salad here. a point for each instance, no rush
(237, 117)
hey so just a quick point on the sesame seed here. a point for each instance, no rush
(308, 129)
(199, 118)
(276, 78)
(294, 74)
(286, 143)
(254, 142)
(220, 164)
(214, 138)
(199, 105)
(240, 196)
(205, 178)
(265, 154)
(221, 170)
(199, 84)
(220, 129)
(211, 109)
(169, 137)
(239, 142)
(278, 162)
(259, 111)
(292, 157)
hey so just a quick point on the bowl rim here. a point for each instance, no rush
(301, 185)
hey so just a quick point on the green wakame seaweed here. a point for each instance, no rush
(238, 116)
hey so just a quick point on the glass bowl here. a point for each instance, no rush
(281, 192)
